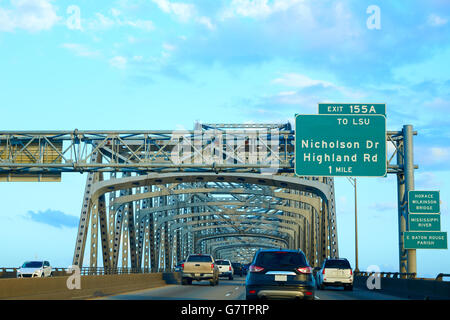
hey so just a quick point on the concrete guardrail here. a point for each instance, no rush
(419, 289)
(91, 286)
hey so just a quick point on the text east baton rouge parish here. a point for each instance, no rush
(336, 145)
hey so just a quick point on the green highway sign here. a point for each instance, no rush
(340, 145)
(423, 202)
(425, 240)
(424, 222)
(353, 108)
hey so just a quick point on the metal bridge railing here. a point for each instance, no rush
(400, 275)
(99, 271)
(393, 275)
(85, 271)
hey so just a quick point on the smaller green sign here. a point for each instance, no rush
(353, 108)
(423, 202)
(425, 240)
(424, 222)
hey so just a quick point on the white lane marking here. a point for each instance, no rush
(228, 294)
(236, 288)
(316, 297)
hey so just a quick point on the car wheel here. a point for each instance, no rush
(212, 283)
(184, 281)
(230, 277)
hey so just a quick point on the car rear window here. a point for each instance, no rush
(32, 264)
(222, 263)
(337, 264)
(199, 259)
(280, 259)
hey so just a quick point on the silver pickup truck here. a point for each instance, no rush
(199, 267)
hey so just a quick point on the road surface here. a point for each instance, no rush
(235, 290)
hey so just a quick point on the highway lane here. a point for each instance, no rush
(235, 290)
(201, 290)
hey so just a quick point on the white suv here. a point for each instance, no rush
(225, 268)
(33, 269)
(335, 272)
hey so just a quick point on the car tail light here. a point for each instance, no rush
(182, 266)
(229, 268)
(323, 271)
(212, 265)
(308, 293)
(351, 272)
(255, 268)
(304, 270)
(252, 291)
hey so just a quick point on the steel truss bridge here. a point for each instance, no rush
(153, 197)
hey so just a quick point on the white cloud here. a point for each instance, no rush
(436, 21)
(257, 8)
(80, 50)
(168, 47)
(29, 15)
(146, 25)
(384, 206)
(440, 154)
(439, 104)
(206, 22)
(300, 81)
(102, 22)
(118, 62)
(183, 11)
(427, 180)
(115, 12)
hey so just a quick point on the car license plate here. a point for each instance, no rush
(197, 274)
(280, 277)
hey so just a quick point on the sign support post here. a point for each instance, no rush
(405, 183)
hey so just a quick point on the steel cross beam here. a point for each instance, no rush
(47, 152)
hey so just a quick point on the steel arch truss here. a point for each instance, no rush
(153, 221)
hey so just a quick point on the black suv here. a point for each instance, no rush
(279, 274)
(237, 267)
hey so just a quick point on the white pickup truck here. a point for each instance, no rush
(225, 268)
(199, 267)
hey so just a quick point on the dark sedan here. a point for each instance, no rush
(280, 274)
(237, 267)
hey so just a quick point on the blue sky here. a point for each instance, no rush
(164, 64)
